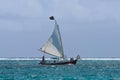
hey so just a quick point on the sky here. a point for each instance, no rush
(90, 28)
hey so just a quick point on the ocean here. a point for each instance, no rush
(86, 69)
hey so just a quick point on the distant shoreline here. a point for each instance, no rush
(39, 58)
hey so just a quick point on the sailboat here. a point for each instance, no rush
(54, 47)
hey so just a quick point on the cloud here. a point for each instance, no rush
(22, 8)
(14, 14)
(103, 9)
(66, 9)
(85, 9)
(10, 25)
(33, 13)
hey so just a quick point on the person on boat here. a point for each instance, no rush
(43, 60)
(78, 57)
(71, 59)
(54, 61)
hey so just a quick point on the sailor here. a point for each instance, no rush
(71, 59)
(54, 61)
(43, 60)
(78, 57)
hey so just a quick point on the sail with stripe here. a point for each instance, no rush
(54, 44)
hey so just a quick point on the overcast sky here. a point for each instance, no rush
(90, 28)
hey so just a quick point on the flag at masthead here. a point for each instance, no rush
(51, 18)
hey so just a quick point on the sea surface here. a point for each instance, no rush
(29, 69)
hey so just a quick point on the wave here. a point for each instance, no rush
(36, 58)
(100, 58)
(20, 58)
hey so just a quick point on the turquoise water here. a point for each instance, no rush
(83, 70)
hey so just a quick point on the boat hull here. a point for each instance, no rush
(59, 63)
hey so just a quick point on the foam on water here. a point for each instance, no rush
(100, 58)
(20, 58)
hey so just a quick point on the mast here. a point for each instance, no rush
(60, 38)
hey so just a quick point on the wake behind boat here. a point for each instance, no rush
(54, 47)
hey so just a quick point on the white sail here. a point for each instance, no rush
(54, 44)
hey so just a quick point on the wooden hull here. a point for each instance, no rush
(59, 63)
